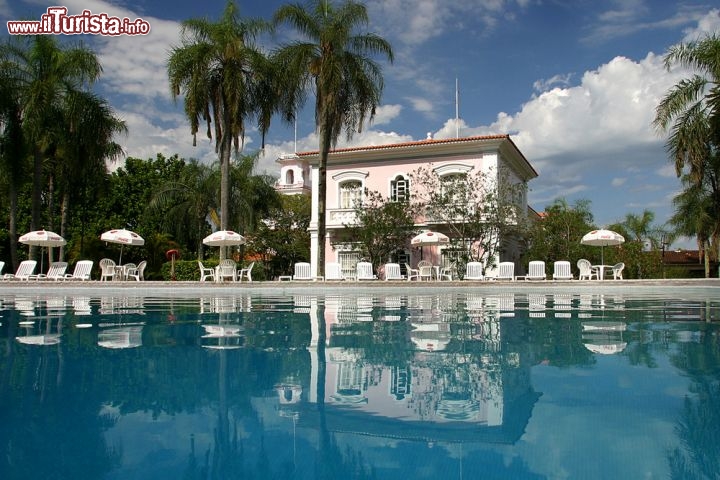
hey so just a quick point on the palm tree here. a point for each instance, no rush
(188, 202)
(12, 150)
(45, 74)
(692, 106)
(88, 143)
(691, 109)
(253, 195)
(221, 73)
(697, 210)
(347, 81)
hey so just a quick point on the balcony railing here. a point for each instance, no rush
(341, 216)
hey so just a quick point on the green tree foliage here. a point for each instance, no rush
(188, 200)
(283, 239)
(691, 112)
(480, 209)
(697, 210)
(381, 226)
(221, 74)
(557, 234)
(338, 62)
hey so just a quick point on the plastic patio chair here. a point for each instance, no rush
(136, 272)
(246, 273)
(536, 271)
(107, 269)
(23, 272)
(473, 271)
(206, 272)
(56, 272)
(425, 270)
(392, 272)
(82, 271)
(412, 273)
(506, 271)
(365, 271)
(586, 272)
(617, 271)
(302, 271)
(562, 271)
(227, 269)
(333, 271)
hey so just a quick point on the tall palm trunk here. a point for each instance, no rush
(322, 196)
(225, 150)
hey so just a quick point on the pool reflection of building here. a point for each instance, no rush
(437, 391)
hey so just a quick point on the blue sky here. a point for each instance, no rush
(575, 82)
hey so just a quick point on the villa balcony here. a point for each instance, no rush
(337, 217)
(292, 188)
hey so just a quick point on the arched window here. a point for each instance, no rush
(350, 193)
(290, 177)
(400, 189)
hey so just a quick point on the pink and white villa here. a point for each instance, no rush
(386, 169)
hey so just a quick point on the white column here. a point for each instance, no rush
(315, 178)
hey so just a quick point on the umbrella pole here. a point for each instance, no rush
(121, 248)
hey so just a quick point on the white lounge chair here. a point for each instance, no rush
(206, 272)
(473, 271)
(2, 265)
(617, 271)
(536, 271)
(506, 271)
(333, 271)
(586, 272)
(81, 272)
(56, 272)
(107, 269)
(246, 272)
(364, 271)
(302, 271)
(23, 272)
(562, 271)
(392, 272)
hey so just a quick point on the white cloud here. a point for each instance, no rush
(386, 114)
(618, 182)
(708, 24)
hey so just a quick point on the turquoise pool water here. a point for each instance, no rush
(355, 386)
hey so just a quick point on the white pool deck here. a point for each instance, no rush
(672, 288)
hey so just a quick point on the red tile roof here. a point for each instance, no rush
(411, 144)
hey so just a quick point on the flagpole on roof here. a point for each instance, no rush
(457, 109)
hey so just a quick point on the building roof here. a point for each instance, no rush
(502, 143)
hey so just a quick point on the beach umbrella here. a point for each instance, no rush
(43, 238)
(429, 238)
(602, 238)
(123, 237)
(224, 238)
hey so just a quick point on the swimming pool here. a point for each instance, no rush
(359, 384)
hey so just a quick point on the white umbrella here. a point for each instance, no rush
(122, 237)
(602, 238)
(43, 238)
(224, 238)
(429, 238)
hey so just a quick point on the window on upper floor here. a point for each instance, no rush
(450, 184)
(290, 177)
(400, 189)
(350, 193)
